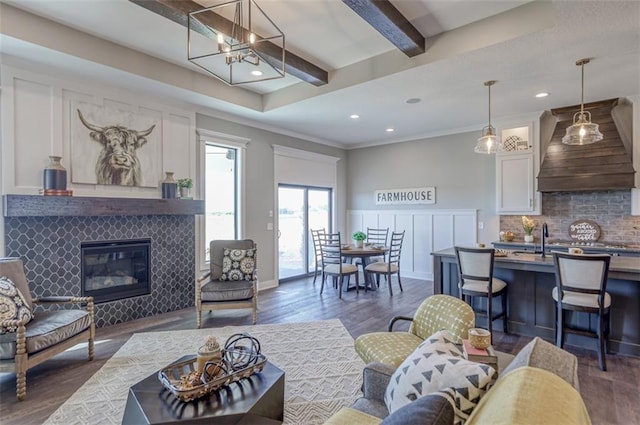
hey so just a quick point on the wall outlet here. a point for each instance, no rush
(480, 225)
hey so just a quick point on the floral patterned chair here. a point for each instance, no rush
(232, 281)
(28, 339)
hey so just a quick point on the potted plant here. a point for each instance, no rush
(528, 225)
(359, 237)
(185, 186)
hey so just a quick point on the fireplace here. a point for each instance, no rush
(113, 270)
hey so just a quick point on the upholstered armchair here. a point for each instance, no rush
(232, 281)
(435, 313)
(28, 339)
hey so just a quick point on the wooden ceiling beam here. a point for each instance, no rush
(388, 21)
(178, 11)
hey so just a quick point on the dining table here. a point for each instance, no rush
(365, 254)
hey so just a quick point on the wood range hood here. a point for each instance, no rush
(605, 165)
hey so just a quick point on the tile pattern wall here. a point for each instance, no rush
(610, 209)
(50, 249)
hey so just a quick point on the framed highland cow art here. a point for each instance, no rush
(110, 146)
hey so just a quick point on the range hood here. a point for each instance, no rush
(604, 165)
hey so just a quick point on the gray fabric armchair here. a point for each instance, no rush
(50, 332)
(218, 289)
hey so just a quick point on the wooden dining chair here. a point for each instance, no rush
(315, 236)
(582, 281)
(332, 265)
(390, 267)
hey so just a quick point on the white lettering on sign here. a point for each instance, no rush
(584, 230)
(419, 195)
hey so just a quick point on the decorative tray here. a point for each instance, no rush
(500, 253)
(184, 381)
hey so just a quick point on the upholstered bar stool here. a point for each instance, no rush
(582, 281)
(475, 269)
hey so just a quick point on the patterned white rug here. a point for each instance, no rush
(322, 370)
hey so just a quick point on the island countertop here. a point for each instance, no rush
(535, 262)
(531, 310)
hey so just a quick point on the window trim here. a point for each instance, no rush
(225, 140)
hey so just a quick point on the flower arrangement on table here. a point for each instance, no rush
(359, 237)
(528, 225)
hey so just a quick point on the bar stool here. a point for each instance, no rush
(475, 269)
(582, 281)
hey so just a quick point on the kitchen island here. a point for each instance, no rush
(531, 308)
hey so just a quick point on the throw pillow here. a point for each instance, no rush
(238, 264)
(437, 364)
(431, 409)
(13, 305)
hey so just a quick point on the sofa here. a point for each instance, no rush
(538, 385)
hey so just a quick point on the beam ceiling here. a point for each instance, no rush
(388, 21)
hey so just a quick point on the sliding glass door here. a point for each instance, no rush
(300, 208)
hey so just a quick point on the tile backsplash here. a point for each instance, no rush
(610, 209)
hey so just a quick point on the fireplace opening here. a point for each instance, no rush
(112, 270)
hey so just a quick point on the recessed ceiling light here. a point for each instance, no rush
(256, 73)
(354, 116)
(413, 100)
(389, 130)
(542, 94)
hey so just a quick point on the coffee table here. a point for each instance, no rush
(258, 399)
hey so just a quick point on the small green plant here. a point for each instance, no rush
(359, 236)
(186, 183)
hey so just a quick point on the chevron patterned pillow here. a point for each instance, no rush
(437, 365)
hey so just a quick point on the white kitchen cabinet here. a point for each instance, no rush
(516, 171)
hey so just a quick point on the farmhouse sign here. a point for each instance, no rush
(584, 231)
(416, 195)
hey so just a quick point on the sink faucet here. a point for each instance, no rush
(544, 233)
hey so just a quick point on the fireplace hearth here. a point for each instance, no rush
(113, 270)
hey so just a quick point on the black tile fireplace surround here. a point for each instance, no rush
(50, 248)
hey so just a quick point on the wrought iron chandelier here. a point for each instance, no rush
(583, 131)
(489, 142)
(219, 42)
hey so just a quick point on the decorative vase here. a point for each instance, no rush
(359, 244)
(55, 175)
(169, 186)
(528, 238)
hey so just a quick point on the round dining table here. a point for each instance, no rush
(365, 254)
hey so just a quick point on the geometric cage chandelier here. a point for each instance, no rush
(583, 131)
(489, 142)
(224, 41)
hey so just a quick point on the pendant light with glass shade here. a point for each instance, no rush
(583, 131)
(489, 142)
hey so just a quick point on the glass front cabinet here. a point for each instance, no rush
(516, 170)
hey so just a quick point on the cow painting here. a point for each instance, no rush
(117, 162)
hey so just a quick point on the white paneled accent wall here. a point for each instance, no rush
(37, 115)
(425, 231)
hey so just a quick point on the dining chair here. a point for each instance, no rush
(475, 271)
(315, 236)
(391, 267)
(332, 265)
(377, 237)
(582, 281)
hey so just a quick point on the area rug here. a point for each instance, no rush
(322, 370)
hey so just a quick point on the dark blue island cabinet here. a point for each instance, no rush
(531, 310)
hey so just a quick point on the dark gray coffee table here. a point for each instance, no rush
(258, 399)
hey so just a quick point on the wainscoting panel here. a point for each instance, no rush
(425, 231)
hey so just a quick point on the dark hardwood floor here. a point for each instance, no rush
(611, 397)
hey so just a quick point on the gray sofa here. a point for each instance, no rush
(538, 385)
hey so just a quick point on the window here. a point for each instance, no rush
(221, 176)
